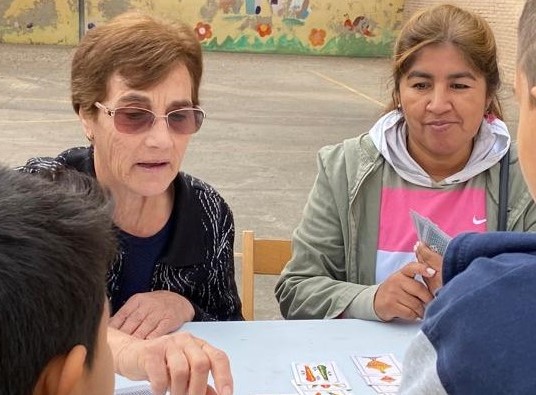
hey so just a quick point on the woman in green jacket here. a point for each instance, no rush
(437, 151)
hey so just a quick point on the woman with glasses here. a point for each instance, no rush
(437, 152)
(135, 87)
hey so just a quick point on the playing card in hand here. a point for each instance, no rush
(430, 234)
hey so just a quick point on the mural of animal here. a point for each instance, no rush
(360, 24)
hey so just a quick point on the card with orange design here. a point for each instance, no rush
(316, 373)
(377, 365)
(385, 380)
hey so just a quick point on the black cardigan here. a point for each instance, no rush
(198, 260)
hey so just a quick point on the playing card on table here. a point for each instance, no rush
(383, 373)
(318, 387)
(430, 234)
(143, 389)
(384, 380)
(318, 373)
(322, 392)
(377, 365)
(382, 389)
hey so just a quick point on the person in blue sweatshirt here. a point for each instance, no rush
(477, 336)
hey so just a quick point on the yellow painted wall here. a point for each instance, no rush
(324, 27)
(39, 21)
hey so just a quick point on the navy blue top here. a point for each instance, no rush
(139, 259)
(482, 323)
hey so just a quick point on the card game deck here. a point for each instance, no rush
(382, 373)
(429, 233)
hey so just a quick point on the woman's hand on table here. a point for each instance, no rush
(179, 363)
(152, 314)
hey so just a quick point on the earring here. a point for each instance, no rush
(489, 117)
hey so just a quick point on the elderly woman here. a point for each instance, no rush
(135, 86)
(437, 152)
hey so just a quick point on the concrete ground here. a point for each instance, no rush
(267, 117)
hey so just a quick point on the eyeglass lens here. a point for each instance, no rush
(135, 120)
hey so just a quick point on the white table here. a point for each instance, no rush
(261, 352)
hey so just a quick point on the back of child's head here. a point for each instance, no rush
(526, 50)
(56, 241)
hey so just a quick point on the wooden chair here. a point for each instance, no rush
(260, 256)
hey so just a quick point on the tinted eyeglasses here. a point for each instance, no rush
(136, 120)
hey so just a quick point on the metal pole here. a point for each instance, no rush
(81, 19)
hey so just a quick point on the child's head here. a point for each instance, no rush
(56, 240)
(525, 85)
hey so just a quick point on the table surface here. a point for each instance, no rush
(262, 352)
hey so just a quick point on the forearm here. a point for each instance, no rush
(316, 297)
(362, 306)
(118, 341)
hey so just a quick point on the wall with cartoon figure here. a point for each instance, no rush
(320, 27)
(351, 28)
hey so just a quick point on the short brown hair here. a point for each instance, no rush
(142, 49)
(467, 31)
(526, 44)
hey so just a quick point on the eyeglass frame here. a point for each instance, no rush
(111, 113)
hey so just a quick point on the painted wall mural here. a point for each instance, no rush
(39, 21)
(321, 27)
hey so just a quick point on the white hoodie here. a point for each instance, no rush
(389, 136)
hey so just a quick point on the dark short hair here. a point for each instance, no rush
(56, 243)
(141, 48)
(526, 45)
(466, 30)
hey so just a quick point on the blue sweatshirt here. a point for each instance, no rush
(478, 335)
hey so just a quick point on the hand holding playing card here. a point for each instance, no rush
(401, 295)
(430, 234)
(432, 259)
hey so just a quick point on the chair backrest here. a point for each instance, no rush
(260, 256)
